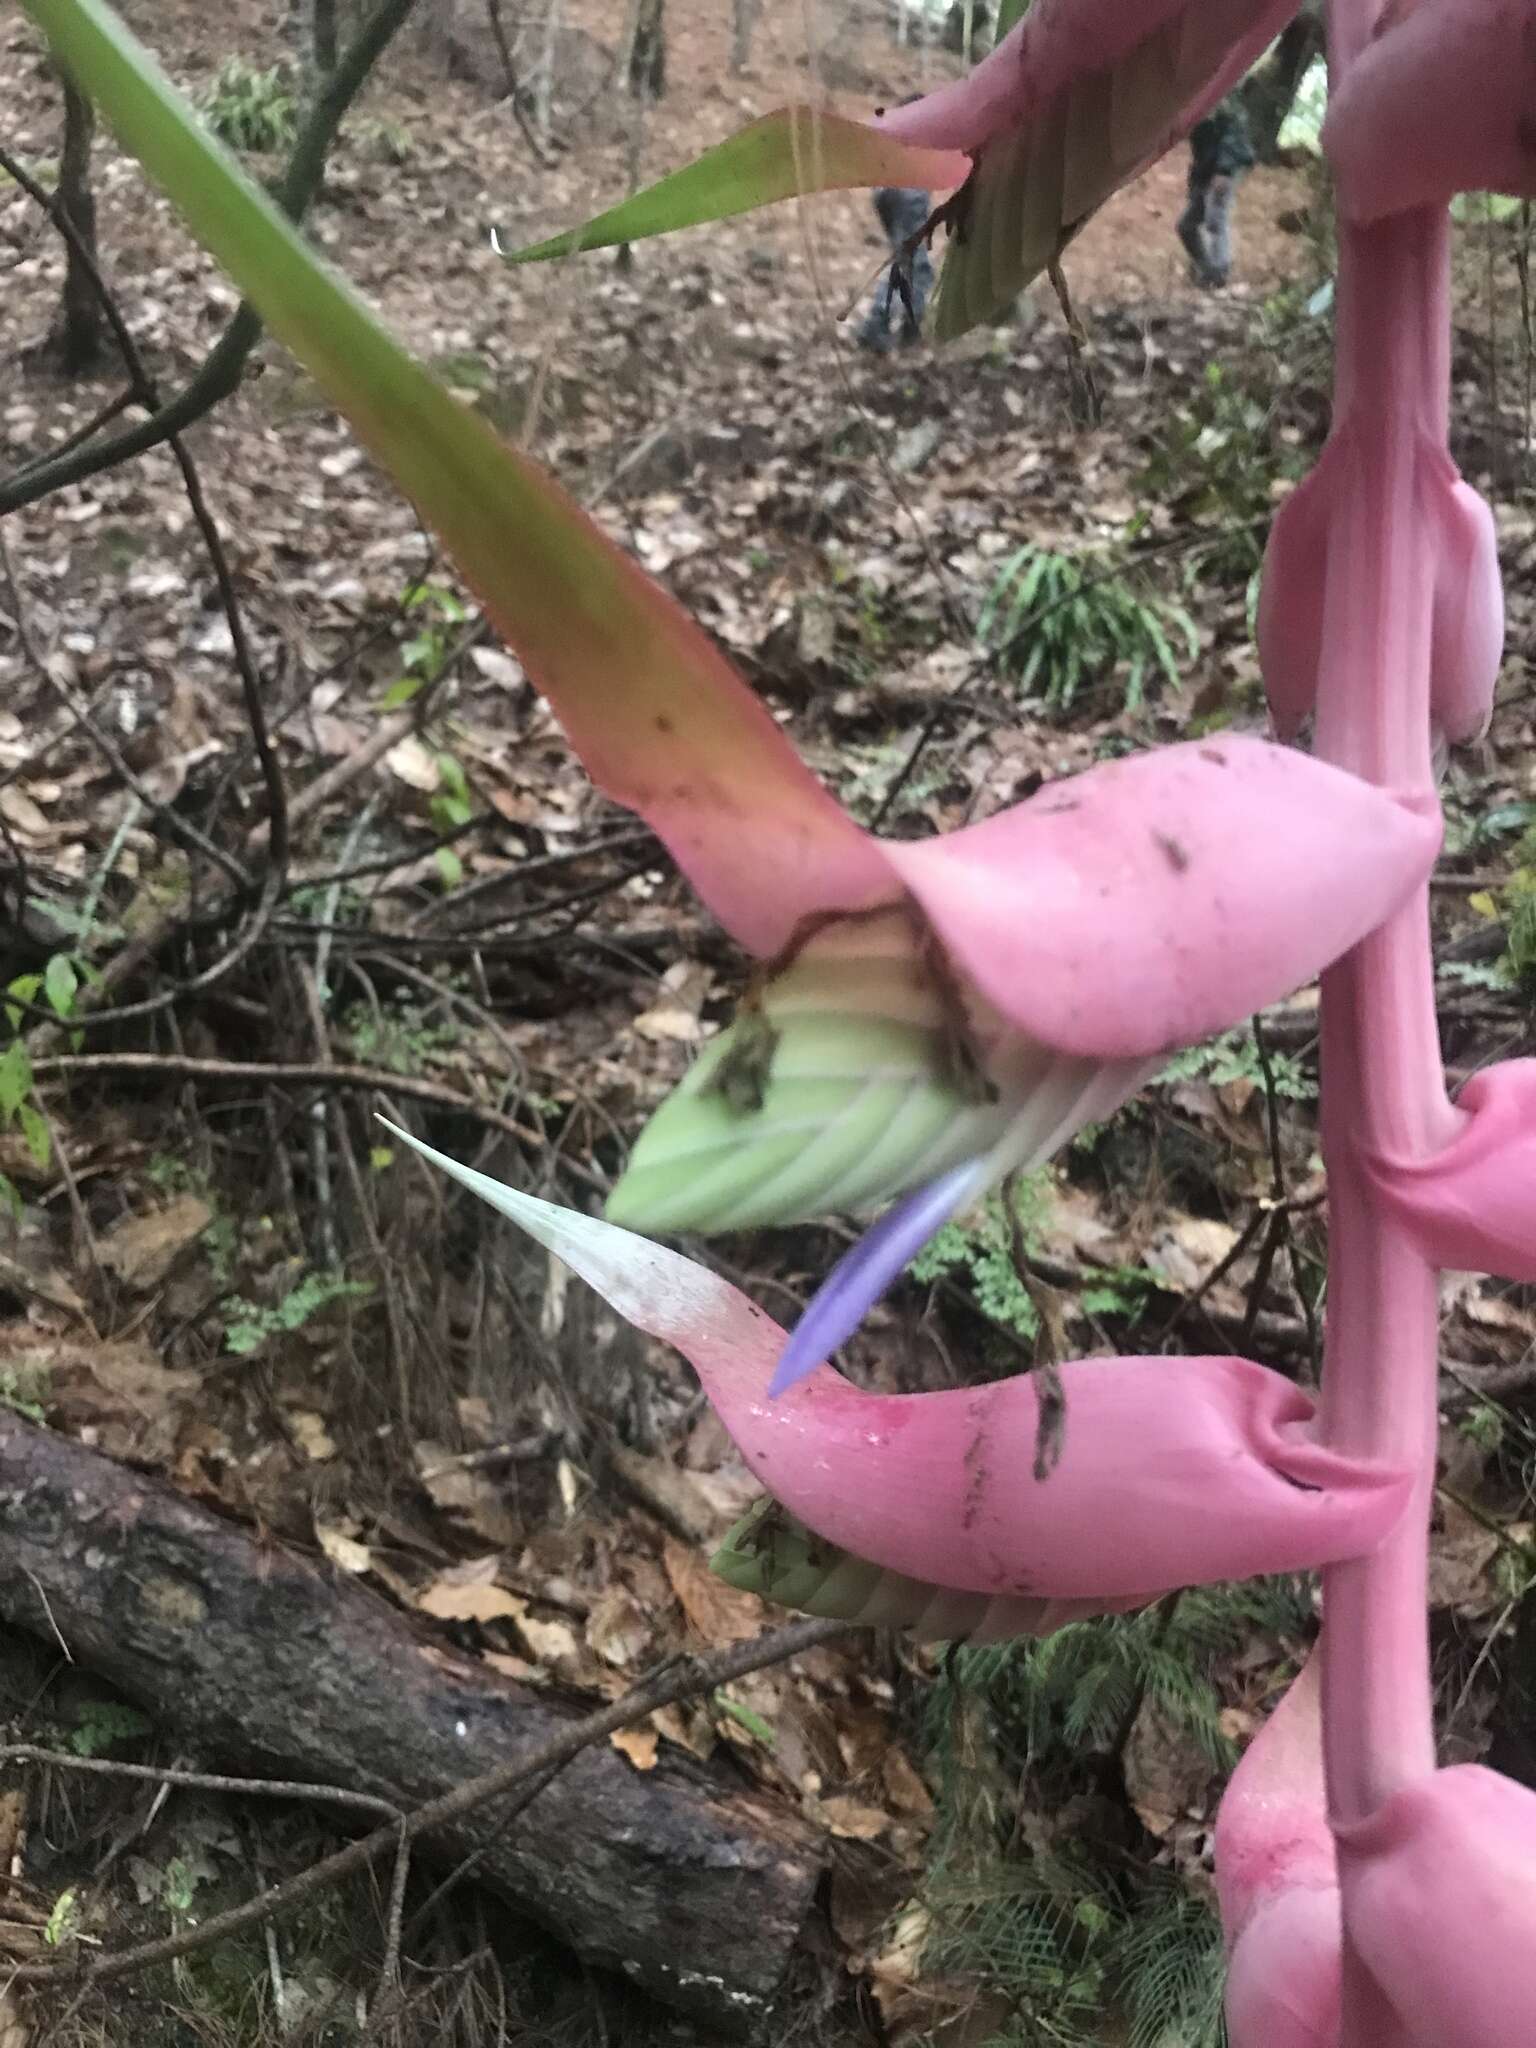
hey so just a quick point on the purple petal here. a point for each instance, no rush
(863, 1274)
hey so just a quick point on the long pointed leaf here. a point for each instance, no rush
(795, 150)
(659, 716)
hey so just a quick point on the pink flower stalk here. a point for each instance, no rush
(1371, 1901)
(1437, 1870)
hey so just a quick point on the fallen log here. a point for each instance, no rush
(270, 1663)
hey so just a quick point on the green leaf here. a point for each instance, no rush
(25, 989)
(15, 1079)
(10, 1196)
(834, 1090)
(791, 151)
(34, 1129)
(401, 692)
(61, 982)
(455, 782)
(754, 1724)
(770, 1553)
(449, 866)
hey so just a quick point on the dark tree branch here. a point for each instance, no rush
(221, 370)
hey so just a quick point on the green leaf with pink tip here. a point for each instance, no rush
(771, 1554)
(1172, 1471)
(661, 719)
(793, 151)
(1079, 98)
(1076, 98)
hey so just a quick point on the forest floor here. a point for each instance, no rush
(229, 1280)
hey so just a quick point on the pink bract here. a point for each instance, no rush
(1439, 1892)
(1141, 906)
(1472, 1206)
(1277, 1880)
(1210, 1462)
(1468, 625)
(1439, 103)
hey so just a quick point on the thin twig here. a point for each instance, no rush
(299, 1073)
(201, 1781)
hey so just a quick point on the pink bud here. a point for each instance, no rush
(1473, 1206)
(1278, 1884)
(1439, 103)
(1440, 1902)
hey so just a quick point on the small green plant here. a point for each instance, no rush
(251, 109)
(24, 1388)
(1217, 465)
(58, 986)
(101, 1724)
(1073, 1942)
(980, 1250)
(404, 1037)
(63, 1921)
(451, 807)
(1514, 902)
(1234, 1056)
(1059, 622)
(438, 614)
(248, 1324)
(384, 141)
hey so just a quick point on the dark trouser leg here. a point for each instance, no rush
(1218, 227)
(1191, 226)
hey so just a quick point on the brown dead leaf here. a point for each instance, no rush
(141, 1250)
(414, 764)
(903, 1787)
(13, 1823)
(1187, 1248)
(716, 1611)
(850, 1819)
(472, 1497)
(551, 1642)
(343, 1550)
(1166, 1772)
(694, 1505)
(675, 1013)
(24, 817)
(638, 1744)
(1460, 1553)
(690, 1728)
(511, 1667)
(311, 1435)
(617, 1629)
(133, 1403)
(469, 1592)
